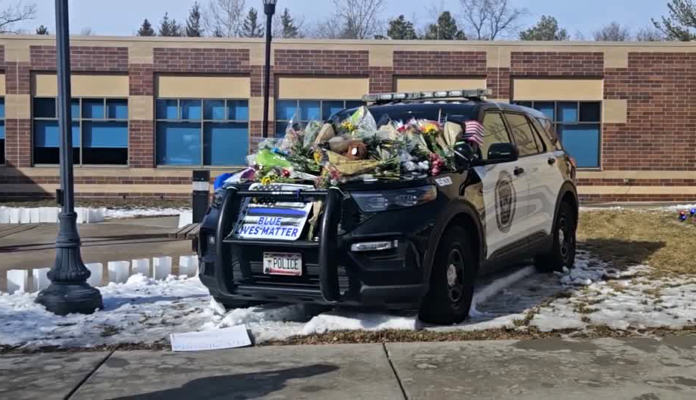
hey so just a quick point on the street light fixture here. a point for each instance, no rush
(69, 291)
(269, 8)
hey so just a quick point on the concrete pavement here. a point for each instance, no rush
(636, 368)
(114, 240)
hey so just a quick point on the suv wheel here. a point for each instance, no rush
(452, 280)
(562, 253)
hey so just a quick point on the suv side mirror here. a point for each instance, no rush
(463, 156)
(503, 152)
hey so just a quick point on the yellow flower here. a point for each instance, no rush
(348, 126)
(266, 180)
(317, 157)
(430, 129)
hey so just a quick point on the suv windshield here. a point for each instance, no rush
(404, 112)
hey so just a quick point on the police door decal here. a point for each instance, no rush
(505, 201)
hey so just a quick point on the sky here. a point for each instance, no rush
(123, 17)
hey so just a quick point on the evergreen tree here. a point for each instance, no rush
(193, 23)
(42, 30)
(681, 23)
(146, 29)
(251, 27)
(445, 29)
(401, 29)
(546, 29)
(289, 29)
(169, 27)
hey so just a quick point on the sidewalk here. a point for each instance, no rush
(114, 240)
(638, 368)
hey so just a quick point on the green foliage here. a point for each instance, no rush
(42, 30)
(193, 23)
(251, 27)
(546, 29)
(681, 23)
(146, 29)
(290, 30)
(445, 29)
(401, 29)
(169, 27)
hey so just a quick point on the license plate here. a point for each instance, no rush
(288, 264)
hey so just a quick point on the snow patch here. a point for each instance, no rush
(121, 213)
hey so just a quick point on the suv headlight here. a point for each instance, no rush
(218, 197)
(371, 202)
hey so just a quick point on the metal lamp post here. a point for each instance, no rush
(269, 8)
(69, 291)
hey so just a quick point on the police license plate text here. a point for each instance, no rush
(288, 264)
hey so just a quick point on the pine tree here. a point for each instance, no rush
(42, 30)
(251, 27)
(681, 22)
(146, 29)
(169, 27)
(193, 23)
(289, 29)
(401, 29)
(445, 29)
(546, 29)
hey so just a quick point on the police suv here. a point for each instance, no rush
(419, 243)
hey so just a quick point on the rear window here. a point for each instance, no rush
(547, 132)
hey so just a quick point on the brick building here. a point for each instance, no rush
(147, 111)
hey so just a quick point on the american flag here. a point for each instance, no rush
(473, 132)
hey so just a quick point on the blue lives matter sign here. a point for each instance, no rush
(275, 221)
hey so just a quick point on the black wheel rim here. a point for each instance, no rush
(565, 238)
(454, 275)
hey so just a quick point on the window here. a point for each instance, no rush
(308, 110)
(2, 131)
(198, 132)
(494, 132)
(524, 135)
(578, 124)
(99, 131)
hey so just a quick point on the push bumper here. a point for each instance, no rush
(332, 276)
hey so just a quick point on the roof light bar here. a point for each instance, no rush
(440, 94)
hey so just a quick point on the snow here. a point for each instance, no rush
(121, 213)
(144, 310)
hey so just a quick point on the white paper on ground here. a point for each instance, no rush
(185, 218)
(118, 271)
(227, 338)
(141, 266)
(96, 270)
(40, 277)
(17, 280)
(161, 267)
(4, 215)
(24, 215)
(14, 215)
(188, 265)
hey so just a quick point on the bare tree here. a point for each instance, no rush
(357, 19)
(613, 32)
(87, 32)
(224, 18)
(491, 19)
(14, 13)
(650, 34)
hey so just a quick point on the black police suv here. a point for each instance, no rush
(408, 244)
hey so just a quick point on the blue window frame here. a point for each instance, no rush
(99, 131)
(579, 126)
(308, 110)
(202, 132)
(2, 130)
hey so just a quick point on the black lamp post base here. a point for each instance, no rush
(64, 299)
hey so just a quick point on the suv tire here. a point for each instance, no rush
(562, 253)
(452, 280)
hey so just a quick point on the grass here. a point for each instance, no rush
(632, 237)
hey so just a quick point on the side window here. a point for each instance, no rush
(547, 133)
(494, 132)
(524, 136)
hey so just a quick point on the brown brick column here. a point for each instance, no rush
(18, 123)
(141, 127)
(498, 80)
(381, 80)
